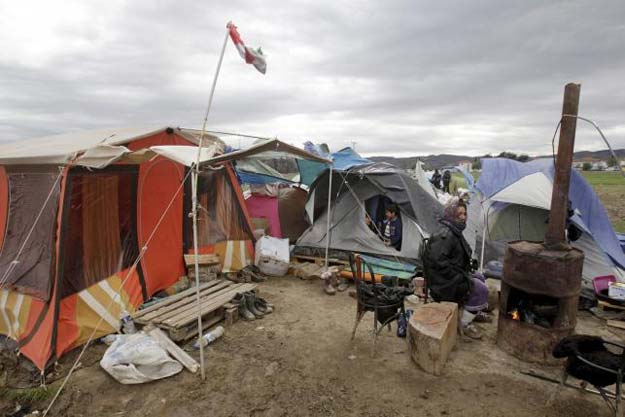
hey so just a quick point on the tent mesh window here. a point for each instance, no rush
(25, 192)
(99, 235)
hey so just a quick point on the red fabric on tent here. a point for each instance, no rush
(132, 286)
(163, 262)
(158, 181)
(38, 349)
(261, 206)
(4, 203)
(67, 328)
(162, 138)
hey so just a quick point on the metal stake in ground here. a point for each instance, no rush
(555, 236)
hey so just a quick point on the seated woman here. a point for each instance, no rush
(447, 265)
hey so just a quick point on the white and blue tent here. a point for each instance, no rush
(512, 202)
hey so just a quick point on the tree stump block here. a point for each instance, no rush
(432, 333)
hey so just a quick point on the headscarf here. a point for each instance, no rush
(450, 218)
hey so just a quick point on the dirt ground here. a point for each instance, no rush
(299, 362)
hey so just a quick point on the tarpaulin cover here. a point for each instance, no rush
(28, 189)
(252, 178)
(265, 207)
(347, 158)
(342, 160)
(498, 173)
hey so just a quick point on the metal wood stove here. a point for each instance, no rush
(538, 301)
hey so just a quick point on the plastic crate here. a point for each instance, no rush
(601, 284)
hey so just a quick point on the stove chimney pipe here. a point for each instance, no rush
(555, 237)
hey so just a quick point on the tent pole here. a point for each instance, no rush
(194, 180)
(484, 223)
(482, 251)
(328, 231)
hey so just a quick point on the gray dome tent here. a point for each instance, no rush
(368, 188)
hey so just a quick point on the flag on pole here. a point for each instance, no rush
(250, 55)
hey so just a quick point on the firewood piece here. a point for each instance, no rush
(432, 332)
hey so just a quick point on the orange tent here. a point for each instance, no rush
(78, 211)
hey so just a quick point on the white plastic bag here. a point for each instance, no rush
(272, 255)
(138, 358)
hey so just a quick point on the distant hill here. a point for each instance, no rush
(431, 161)
(439, 161)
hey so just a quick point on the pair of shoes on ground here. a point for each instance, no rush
(254, 273)
(250, 273)
(251, 307)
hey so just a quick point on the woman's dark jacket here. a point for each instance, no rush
(447, 265)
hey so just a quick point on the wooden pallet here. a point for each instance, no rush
(203, 259)
(178, 314)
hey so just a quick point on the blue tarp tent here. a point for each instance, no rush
(526, 188)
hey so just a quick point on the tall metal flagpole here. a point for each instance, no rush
(194, 180)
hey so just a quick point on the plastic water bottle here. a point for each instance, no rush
(128, 325)
(210, 337)
(402, 324)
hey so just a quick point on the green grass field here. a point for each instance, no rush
(610, 187)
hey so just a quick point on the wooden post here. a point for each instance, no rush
(555, 236)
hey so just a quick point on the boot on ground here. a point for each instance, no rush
(244, 313)
(250, 302)
(263, 306)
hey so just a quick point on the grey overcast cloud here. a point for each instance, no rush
(396, 77)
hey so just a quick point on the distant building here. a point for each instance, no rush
(466, 165)
(599, 166)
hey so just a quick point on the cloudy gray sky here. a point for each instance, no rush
(397, 77)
